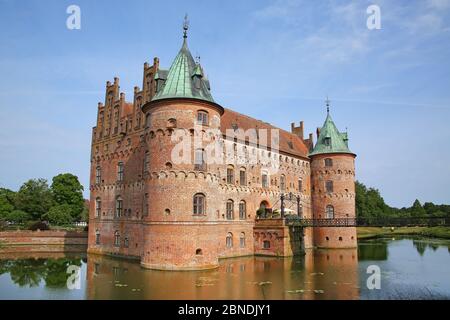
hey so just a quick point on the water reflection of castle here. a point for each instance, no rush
(320, 274)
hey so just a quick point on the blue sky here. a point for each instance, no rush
(273, 60)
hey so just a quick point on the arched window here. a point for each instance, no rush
(200, 160)
(97, 236)
(242, 240)
(283, 183)
(146, 161)
(202, 118)
(242, 210)
(98, 175)
(199, 204)
(329, 212)
(119, 206)
(242, 177)
(329, 186)
(198, 252)
(230, 208)
(126, 242)
(328, 162)
(117, 239)
(98, 207)
(230, 174)
(120, 171)
(229, 240)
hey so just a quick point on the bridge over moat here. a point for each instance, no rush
(368, 222)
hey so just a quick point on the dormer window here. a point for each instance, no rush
(327, 141)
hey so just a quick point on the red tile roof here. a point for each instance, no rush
(289, 143)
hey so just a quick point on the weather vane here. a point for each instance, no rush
(185, 26)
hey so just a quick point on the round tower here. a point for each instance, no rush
(333, 186)
(180, 232)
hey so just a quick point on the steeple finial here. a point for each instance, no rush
(327, 102)
(185, 26)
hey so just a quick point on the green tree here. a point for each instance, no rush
(34, 197)
(417, 210)
(67, 190)
(6, 202)
(60, 215)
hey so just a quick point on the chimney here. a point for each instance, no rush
(318, 132)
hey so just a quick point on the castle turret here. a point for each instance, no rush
(333, 185)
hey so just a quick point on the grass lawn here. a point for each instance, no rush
(376, 232)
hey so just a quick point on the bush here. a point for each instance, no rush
(18, 216)
(40, 225)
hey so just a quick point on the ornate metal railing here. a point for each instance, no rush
(368, 222)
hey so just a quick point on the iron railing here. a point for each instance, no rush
(369, 222)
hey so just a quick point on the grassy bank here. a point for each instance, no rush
(375, 232)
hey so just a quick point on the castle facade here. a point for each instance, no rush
(178, 182)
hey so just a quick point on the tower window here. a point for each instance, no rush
(242, 210)
(117, 239)
(327, 141)
(242, 240)
(119, 207)
(145, 211)
(329, 186)
(230, 209)
(264, 180)
(230, 174)
(229, 240)
(98, 207)
(266, 244)
(120, 171)
(242, 177)
(199, 160)
(300, 185)
(147, 120)
(328, 162)
(146, 161)
(202, 118)
(97, 236)
(329, 212)
(199, 204)
(98, 175)
(126, 242)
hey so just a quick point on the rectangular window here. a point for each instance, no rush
(242, 213)
(242, 178)
(202, 118)
(98, 175)
(230, 210)
(98, 208)
(120, 171)
(266, 244)
(119, 208)
(230, 175)
(264, 180)
(329, 186)
(242, 242)
(283, 183)
(300, 185)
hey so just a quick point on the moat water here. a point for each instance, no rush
(411, 268)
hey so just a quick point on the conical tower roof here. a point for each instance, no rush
(330, 140)
(185, 79)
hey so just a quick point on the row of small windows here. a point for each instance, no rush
(121, 169)
(117, 240)
(202, 119)
(229, 240)
(119, 210)
(199, 207)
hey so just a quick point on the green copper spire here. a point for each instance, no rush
(185, 78)
(330, 140)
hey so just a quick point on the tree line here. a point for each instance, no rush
(61, 203)
(370, 203)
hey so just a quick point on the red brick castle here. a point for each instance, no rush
(178, 181)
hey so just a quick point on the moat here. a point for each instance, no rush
(411, 268)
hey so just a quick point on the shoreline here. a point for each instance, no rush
(365, 233)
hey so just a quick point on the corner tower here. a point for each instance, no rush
(180, 227)
(333, 185)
